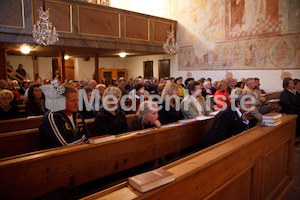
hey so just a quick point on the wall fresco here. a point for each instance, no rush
(238, 34)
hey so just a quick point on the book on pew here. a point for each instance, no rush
(271, 119)
(102, 138)
(271, 123)
(271, 116)
(150, 180)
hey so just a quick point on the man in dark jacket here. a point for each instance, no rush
(65, 127)
(231, 121)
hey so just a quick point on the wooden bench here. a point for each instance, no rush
(19, 124)
(34, 122)
(25, 141)
(31, 175)
(18, 142)
(273, 95)
(256, 164)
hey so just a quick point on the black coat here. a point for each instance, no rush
(225, 124)
(107, 123)
(289, 102)
(34, 108)
(87, 114)
(10, 114)
(138, 124)
(166, 117)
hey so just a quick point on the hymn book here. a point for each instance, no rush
(102, 138)
(150, 180)
(271, 119)
(271, 116)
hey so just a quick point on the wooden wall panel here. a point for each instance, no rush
(98, 22)
(11, 13)
(60, 14)
(275, 168)
(136, 28)
(239, 188)
(160, 29)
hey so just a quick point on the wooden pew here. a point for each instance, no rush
(256, 164)
(19, 124)
(273, 95)
(18, 142)
(34, 174)
(29, 123)
(25, 141)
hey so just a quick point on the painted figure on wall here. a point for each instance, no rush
(237, 34)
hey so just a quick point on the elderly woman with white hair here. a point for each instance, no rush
(7, 109)
(146, 117)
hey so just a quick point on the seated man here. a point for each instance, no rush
(64, 127)
(260, 108)
(231, 121)
(190, 106)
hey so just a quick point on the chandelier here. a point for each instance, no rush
(171, 45)
(42, 31)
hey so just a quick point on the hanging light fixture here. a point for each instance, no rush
(171, 45)
(42, 31)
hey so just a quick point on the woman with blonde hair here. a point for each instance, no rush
(221, 96)
(110, 118)
(7, 109)
(146, 117)
(170, 111)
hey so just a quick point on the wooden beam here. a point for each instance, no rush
(61, 66)
(3, 71)
(34, 67)
(96, 76)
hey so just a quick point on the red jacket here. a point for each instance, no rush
(219, 97)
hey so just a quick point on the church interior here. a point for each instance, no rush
(105, 40)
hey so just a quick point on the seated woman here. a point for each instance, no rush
(146, 117)
(221, 96)
(170, 111)
(84, 112)
(138, 97)
(35, 104)
(110, 118)
(288, 98)
(7, 109)
(290, 102)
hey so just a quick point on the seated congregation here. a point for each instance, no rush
(155, 104)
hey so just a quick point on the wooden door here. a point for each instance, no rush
(69, 69)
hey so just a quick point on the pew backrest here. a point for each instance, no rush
(19, 124)
(19, 142)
